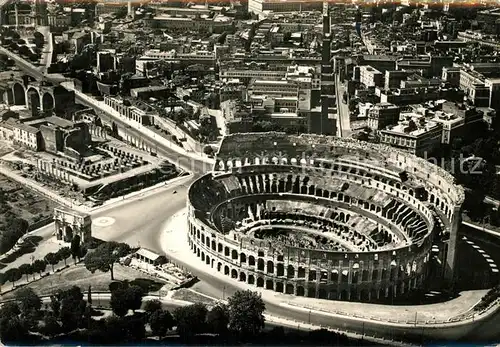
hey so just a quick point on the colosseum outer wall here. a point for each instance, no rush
(333, 275)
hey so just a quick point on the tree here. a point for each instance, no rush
(125, 299)
(29, 301)
(190, 320)
(39, 39)
(161, 322)
(125, 329)
(64, 253)
(89, 296)
(26, 269)
(51, 326)
(105, 256)
(151, 306)
(265, 126)
(118, 303)
(76, 247)
(24, 50)
(13, 330)
(121, 12)
(13, 275)
(208, 150)
(134, 296)
(72, 307)
(218, 319)
(39, 266)
(10, 310)
(52, 259)
(55, 305)
(246, 313)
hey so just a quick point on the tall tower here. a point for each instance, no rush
(328, 101)
(130, 9)
(39, 13)
(17, 15)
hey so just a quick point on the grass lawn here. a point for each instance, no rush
(81, 277)
(189, 295)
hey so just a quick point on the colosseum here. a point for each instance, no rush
(323, 217)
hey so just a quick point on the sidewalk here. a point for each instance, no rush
(44, 232)
(7, 286)
(174, 243)
(49, 245)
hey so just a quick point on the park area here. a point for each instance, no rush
(20, 210)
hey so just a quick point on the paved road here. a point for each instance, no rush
(343, 120)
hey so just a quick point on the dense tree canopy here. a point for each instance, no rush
(125, 299)
(190, 320)
(218, 319)
(9, 237)
(151, 306)
(161, 322)
(72, 307)
(28, 301)
(246, 313)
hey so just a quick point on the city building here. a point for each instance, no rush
(130, 111)
(414, 134)
(260, 7)
(480, 82)
(368, 76)
(327, 124)
(217, 24)
(382, 115)
(393, 79)
(27, 136)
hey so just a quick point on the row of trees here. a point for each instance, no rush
(68, 316)
(67, 311)
(38, 266)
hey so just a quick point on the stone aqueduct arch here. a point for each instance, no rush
(33, 96)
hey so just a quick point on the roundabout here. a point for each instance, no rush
(103, 222)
